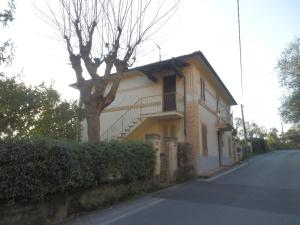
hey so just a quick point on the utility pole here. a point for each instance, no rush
(282, 134)
(241, 71)
(244, 126)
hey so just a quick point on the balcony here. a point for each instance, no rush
(161, 107)
(224, 119)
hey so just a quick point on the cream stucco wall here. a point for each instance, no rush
(132, 88)
(208, 116)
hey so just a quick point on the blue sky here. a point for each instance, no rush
(206, 25)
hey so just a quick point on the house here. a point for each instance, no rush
(168, 102)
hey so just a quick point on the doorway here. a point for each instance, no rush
(220, 147)
(169, 93)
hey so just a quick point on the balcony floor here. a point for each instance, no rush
(223, 126)
(168, 115)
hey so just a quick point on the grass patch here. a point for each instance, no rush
(248, 154)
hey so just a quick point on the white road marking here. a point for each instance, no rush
(224, 173)
(131, 212)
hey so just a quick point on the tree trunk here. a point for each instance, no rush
(93, 123)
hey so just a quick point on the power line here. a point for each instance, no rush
(260, 113)
(240, 48)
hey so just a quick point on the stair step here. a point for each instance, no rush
(137, 120)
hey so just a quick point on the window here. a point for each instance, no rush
(218, 104)
(204, 139)
(202, 89)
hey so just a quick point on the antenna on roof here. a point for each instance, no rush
(158, 51)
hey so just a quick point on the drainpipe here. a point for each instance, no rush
(219, 147)
(184, 103)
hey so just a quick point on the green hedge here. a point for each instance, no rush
(259, 145)
(30, 170)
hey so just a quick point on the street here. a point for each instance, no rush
(266, 191)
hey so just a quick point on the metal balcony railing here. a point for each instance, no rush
(143, 108)
(224, 116)
(162, 103)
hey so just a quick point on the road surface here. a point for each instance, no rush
(266, 191)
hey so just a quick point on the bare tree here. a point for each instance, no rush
(102, 37)
(6, 48)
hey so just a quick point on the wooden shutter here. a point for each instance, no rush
(202, 89)
(204, 139)
(218, 104)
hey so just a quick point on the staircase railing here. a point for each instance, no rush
(118, 129)
(140, 109)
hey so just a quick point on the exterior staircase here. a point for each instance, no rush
(158, 105)
(126, 123)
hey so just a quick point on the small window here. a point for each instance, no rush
(204, 139)
(218, 104)
(202, 89)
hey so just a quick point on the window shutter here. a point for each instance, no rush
(204, 139)
(202, 89)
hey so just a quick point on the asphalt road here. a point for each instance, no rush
(266, 191)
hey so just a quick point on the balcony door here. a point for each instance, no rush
(169, 93)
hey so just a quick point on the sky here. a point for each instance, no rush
(267, 26)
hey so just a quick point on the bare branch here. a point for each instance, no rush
(105, 35)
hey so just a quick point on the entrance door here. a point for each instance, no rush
(169, 93)
(220, 147)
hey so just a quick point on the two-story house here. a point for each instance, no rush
(177, 100)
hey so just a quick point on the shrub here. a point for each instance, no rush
(185, 173)
(30, 170)
(184, 154)
(111, 194)
(185, 169)
(259, 145)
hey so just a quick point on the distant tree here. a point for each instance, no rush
(18, 106)
(104, 35)
(7, 15)
(259, 145)
(292, 138)
(36, 111)
(274, 141)
(256, 130)
(253, 130)
(289, 73)
(56, 118)
(6, 48)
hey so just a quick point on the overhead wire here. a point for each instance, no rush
(240, 49)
